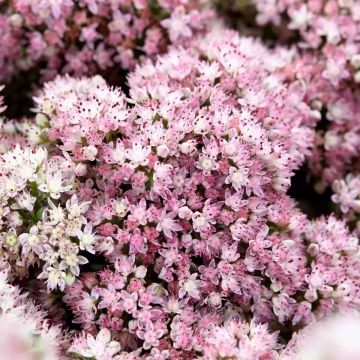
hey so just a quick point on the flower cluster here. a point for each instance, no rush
(42, 221)
(330, 64)
(336, 150)
(334, 254)
(332, 26)
(184, 93)
(88, 36)
(326, 34)
(338, 138)
(186, 181)
(26, 332)
(14, 132)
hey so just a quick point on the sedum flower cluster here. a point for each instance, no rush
(83, 37)
(329, 62)
(156, 219)
(26, 335)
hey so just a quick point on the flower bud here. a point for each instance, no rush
(311, 295)
(355, 61)
(185, 213)
(214, 299)
(80, 169)
(162, 151)
(16, 20)
(41, 120)
(89, 152)
(313, 249)
(70, 278)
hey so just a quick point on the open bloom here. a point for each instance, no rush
(101, 347)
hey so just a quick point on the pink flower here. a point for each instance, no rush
(167, 224)
(177, 25)
(191, 287)
(150, 336)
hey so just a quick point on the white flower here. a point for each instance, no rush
(300, 18)
(329, 28)
(24, 201)
(14, 219)
(118, 154)
(191, 287)
(87, 239)
(174, 305)
(28, 157)
(357, 77)
(100, 348)
(331, 139)
(55, 277)
(200, 221)
(55, 183)
(76, 209)
(237, 177)
(73, 260)
(25, 163)
(106, 245)
(89, 152)
(138, 155)
(209, 71)
(6, 291)
(11, 185)
(16, 20)
(335, 337)
(54, 215)
(121, 207)
(214, 299)
(31, 241)
(206, 163)
(188, 147)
